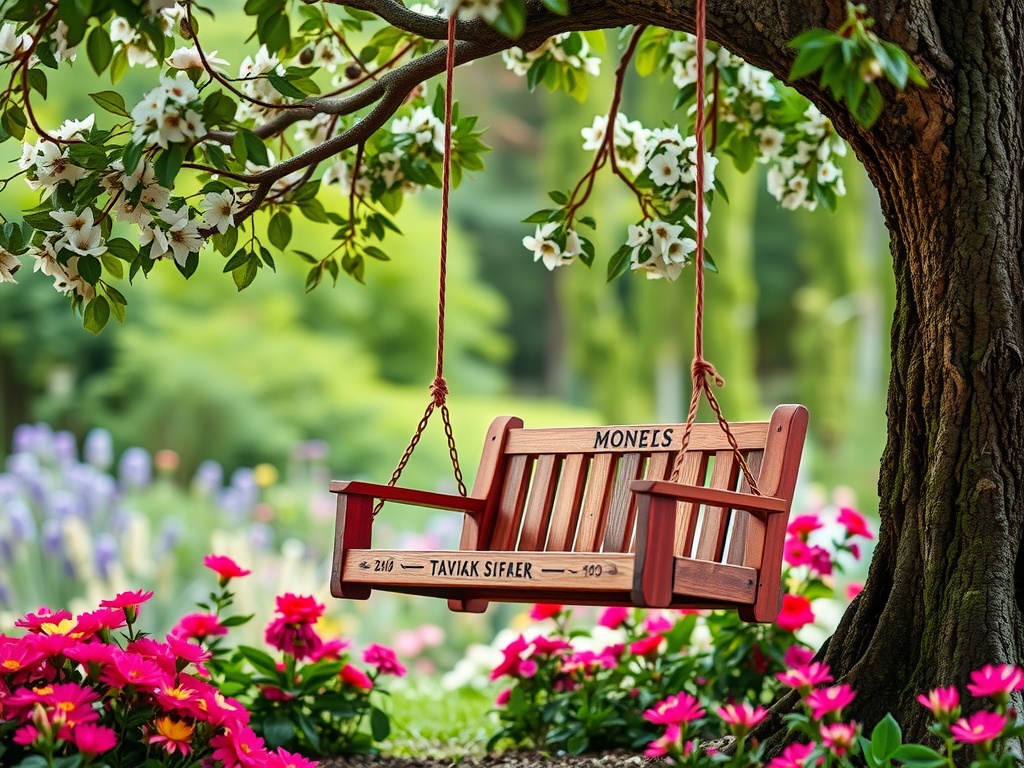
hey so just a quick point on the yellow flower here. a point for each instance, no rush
(265, 475)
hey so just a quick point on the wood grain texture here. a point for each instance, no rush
(594, 513)
(538, 507)
(564, 440)
(622, 506)
(567, 503)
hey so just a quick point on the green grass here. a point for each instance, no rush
(428, 721)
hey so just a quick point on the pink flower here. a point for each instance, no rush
(299, 609)
(805, 678)
(853, 589)
(356, 678)
(996, 681)
(854, 523)
(384, 659)
(980, 728)
(613, 617)
(15, 657)
(129, 669)
(680, 708)
(189, 653)
(225, 568)
(73, 701)
(656, 623)
(798, 656)
(174, 736)
(542, 611)
(827, 700)
(127, 600)
(549, 646)
(238, 747)
(802, 526)
(94, 739)
(647, 646)
(943, 702)
(793, 756)
(297, 638)
(838, 737)
(34, 622)
(742, 717)
(796, 552)
(283, 759)
(660, 747)
(199, 626)
(502, 698)
(512, 653)
(26, 736)
(821, 561)
(331, 649)
(796, 612)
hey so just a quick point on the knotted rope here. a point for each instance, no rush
(439, 387)
(701, 371)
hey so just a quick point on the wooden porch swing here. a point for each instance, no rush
(660, 515)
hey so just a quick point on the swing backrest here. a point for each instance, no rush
(568, 489)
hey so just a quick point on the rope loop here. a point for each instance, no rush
(439, 391)
(701, 369)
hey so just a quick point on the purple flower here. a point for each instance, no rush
(20, 519)
(105, 553)
(23, 439)
(65, 448)
(135, 470)
(209, 478)
(53, 537)
(65, 504)
(170, 535)
(99, 448)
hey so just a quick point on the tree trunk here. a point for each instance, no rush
(945, 590)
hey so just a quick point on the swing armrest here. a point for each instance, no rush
(758, 505)
(453, 502)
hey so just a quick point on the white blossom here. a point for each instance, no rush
(11, 43)
(79, 233)
(219, 210)
(488, 10)
(827, 173)
(664, 169)
(60, 36)
(189, 58)
(545, 248)
(9, 264)
(593, 137)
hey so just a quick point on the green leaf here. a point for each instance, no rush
(313, 277)
(255, 149)
(190, 266)
(118, 65)
(512, 19)
(100, 49)
(131, 156)
(97, 312)
(122, 249)
(87, 156)
(112, 102)
(168, 163)
(867, 111)
(240, 257)
(278, 731)
(380, 726)
(314, 211)
(279, 230)
(90, 269)
(118, 304)
(618, 264)
(918, 756)
(285, 88)
(275, 31)
(245, 274)
(37, 81)
(376, 253)
(886, 738)
(561, 7)
(261, 660)
(69, 12)
(810, 59)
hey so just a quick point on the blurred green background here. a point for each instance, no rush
(332, 384)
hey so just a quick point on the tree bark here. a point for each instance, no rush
(945, 590)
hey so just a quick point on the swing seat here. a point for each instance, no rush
(586, 516)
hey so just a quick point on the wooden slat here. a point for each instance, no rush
(712, 532)
(739, 525)
(352, 529)
(659, 466)
(655, 523)
(622, 508)
(593, 516)
(504, 570)
(644, 437)
(409, 496)
(692, 471)
(510, 508)
(714, 581)
(762, 506)
(567, 504)
(538, 507)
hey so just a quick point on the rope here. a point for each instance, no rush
(439, 387)
(701, 370)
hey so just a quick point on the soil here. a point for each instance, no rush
(511, 759)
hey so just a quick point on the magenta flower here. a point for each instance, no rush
(34, 622)
(26, 736)
(542, 611)
(189, 653)
(803, 526)
(331, 649)
(73, 702)
(94, 739)
(996, 681)
(16, 657)
(854, 523)
(796, 612)
(741, 717)
(384, 659)
(613, 617)
(823, 701)
(979, 728)
(943, 702)
(199, 626)
(839, 737)
(680, 708)
(299, 609)
(793, 756)
(127, 600)
(129, 669)
(238, 747)
(660, 747)
(296, 638)
(796, 552)
(356, 678)
(503, 696)
(284, 759)
(799, 656)
(225, 568)
(513, 654)
(647, 646)
(656, 623)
